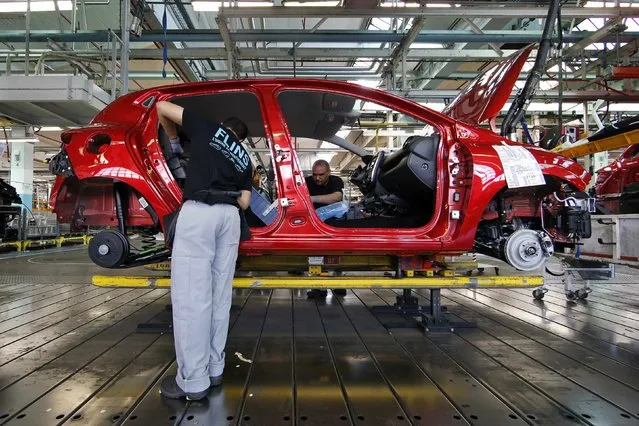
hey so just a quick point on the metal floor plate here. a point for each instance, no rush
(70, 354)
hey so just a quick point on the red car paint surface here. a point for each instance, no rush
(618, 180)
(135, 158)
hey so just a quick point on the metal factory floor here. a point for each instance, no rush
(70, 353)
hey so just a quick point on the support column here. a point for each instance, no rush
(124, 55)
(21, 175)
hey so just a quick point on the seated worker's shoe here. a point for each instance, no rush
(170, 389)
(339, 291)
(216, 380)
(316, 294)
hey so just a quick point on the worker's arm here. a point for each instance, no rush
(244, 200)
(334, 197)
(169, 115)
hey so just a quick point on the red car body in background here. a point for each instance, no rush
(465, 201)
(617, 185)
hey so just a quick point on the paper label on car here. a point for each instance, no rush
(316, 260)
(270, 208)
(520, 167)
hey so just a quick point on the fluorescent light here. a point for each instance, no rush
(437, 5)
(214, 6)
(609, 4)
(254, 4)
(426, 46)
(311, 3)
(36, 6)
(399, 4)
(51, 129)
(206, 6)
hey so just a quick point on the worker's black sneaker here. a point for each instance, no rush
(316, 294)
(170, 389)
(216, 380)
(339, 291)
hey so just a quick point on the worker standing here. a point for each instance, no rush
(205, 247)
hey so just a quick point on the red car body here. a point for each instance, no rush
(471, 187)
(617, 185)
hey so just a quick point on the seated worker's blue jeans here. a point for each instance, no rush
(338, 209)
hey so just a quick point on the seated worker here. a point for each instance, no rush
(259, 213)
(325, 189)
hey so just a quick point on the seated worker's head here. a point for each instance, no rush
(321, 172)
(237, 126)
(257, 176)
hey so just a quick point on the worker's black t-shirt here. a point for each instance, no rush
(334, 184)
(218, 160)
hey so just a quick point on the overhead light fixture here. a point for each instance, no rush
(311, 3)
(50, 129)
(214, 6)
(438, 5)
(399, 4)
(35, 6)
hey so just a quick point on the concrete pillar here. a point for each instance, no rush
(21, 175)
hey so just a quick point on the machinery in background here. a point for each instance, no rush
(617, 184)
(8, 212)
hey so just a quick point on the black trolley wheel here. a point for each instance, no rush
(109, 249)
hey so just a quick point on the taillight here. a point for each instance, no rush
(65, 137)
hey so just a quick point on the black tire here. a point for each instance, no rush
(109, 249)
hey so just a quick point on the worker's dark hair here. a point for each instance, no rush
(322, 163)
(238, 127)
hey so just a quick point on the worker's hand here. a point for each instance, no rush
(314, 198)
(176, 148)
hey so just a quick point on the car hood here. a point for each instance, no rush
(485, 96)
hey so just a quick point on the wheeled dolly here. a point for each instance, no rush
(574, 270)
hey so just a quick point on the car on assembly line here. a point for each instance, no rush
(440, 185)
(617, 185)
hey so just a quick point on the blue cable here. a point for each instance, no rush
(525, 127)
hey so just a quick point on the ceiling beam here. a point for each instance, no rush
(319, 36)
(232, 65)
(319, 53)
(477, 30)
(430, 70)
(403, 47)
(493, 11)
(540, 95)
(613, 26)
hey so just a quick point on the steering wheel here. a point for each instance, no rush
(375, 170)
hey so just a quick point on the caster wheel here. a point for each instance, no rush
(581, 294)
(571, 295)
(538, 294)
(109, 249)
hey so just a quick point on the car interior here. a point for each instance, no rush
(397, 188)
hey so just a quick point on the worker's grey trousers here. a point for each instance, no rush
(202, 269)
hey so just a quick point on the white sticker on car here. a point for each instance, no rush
(520, 167)
(270, 208)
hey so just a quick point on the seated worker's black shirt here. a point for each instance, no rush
(218, 160)
(334, 184)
